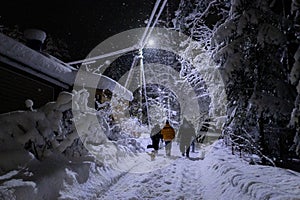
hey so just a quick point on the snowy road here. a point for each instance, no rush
(179, 178)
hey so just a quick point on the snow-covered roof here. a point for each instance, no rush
(38, 62)
(48, 67)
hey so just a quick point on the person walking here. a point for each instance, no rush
(193, 145)
(155, 137)
(168, 134)
(186, 134)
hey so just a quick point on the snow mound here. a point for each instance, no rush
(229, 177)
(35, 34)
(41, 148)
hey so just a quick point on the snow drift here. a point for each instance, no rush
(42, 147)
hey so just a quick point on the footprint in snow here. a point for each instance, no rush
(145, 180)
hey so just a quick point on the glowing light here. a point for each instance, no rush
(151, 42)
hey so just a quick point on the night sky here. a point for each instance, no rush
(83, 24)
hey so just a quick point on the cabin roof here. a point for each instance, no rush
(48, 67)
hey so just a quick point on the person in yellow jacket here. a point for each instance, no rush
(168, 134)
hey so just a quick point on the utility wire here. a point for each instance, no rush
(149, 23)
(155, 22)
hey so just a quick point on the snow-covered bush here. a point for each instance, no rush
(41, 131)
(66, 126)
(60, 144)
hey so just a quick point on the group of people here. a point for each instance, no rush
(186, 135)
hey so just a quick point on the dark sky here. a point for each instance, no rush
(83, 24)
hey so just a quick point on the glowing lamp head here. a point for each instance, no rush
(151, 42)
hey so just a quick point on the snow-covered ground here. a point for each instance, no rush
(219, 175)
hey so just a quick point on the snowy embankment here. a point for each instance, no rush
(41, 153)
(227, 176)
(57, 178)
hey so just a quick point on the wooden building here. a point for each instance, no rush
(27, 73)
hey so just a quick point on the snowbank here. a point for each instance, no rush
(228, 177)
(57, 178)
(42, 148)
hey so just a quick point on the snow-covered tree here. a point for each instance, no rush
(13, 32)
(57, 47)
(295, 72)
(251, 49)
(197, 19)
(252, 43)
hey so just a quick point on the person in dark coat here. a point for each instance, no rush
(155, 137)
(186, 134)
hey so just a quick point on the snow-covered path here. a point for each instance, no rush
(219, 176)
(178, 179)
